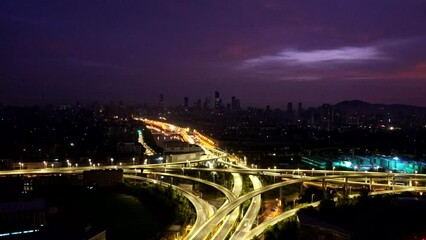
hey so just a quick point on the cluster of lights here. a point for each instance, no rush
(18, 232)
(204, 138)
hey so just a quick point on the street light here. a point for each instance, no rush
(312, 197)
(45, 164)
(312, 172)
(333, 169)
(133, 159)
(112, 161)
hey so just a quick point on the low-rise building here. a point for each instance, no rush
(178, 151)
(103, 178)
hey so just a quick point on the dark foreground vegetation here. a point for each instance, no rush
(137, 210)
(378, 217)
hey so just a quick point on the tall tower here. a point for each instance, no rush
(327, 117)
(289, 108)
(299, 111)
(216, 100)
(290, 113)
(197, 104)
(206, 104)
(185, 102)
(161, 101)
(234, 104)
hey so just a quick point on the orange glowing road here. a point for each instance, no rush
(183, 132)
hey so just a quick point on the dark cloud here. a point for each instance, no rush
(115, 50)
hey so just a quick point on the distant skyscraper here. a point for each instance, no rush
(197, 104)
(299, 108)
(185, 102)
(289, 108)
(327, 117)
(207, 103)
(290, 113)
(216, 100)
(299, 111)
(235, 104)
(161, 101)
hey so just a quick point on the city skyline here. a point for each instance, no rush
(263, 52)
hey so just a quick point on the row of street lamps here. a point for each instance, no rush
(69, 164)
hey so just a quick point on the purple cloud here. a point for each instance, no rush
(328, 56)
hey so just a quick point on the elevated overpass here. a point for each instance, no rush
(228, 215)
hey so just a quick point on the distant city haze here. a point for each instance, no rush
(263, 52)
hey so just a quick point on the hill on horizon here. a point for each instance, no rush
(351, 106)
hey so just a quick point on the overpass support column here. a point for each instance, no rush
(283, 200)
(393, 183)
(345, 186)
(324, 185)
(370, 185)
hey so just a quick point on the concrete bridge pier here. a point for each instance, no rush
(393, 183)
(370, 185)
(345, 186)
(282, 198)
(324, 185)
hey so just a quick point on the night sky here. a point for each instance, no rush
(263, 52)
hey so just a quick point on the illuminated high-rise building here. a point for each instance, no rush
(216, 100)
(161, 101)
(185, 102)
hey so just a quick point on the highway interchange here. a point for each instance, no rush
(228, 221)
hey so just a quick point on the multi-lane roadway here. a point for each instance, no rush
(229, 221)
